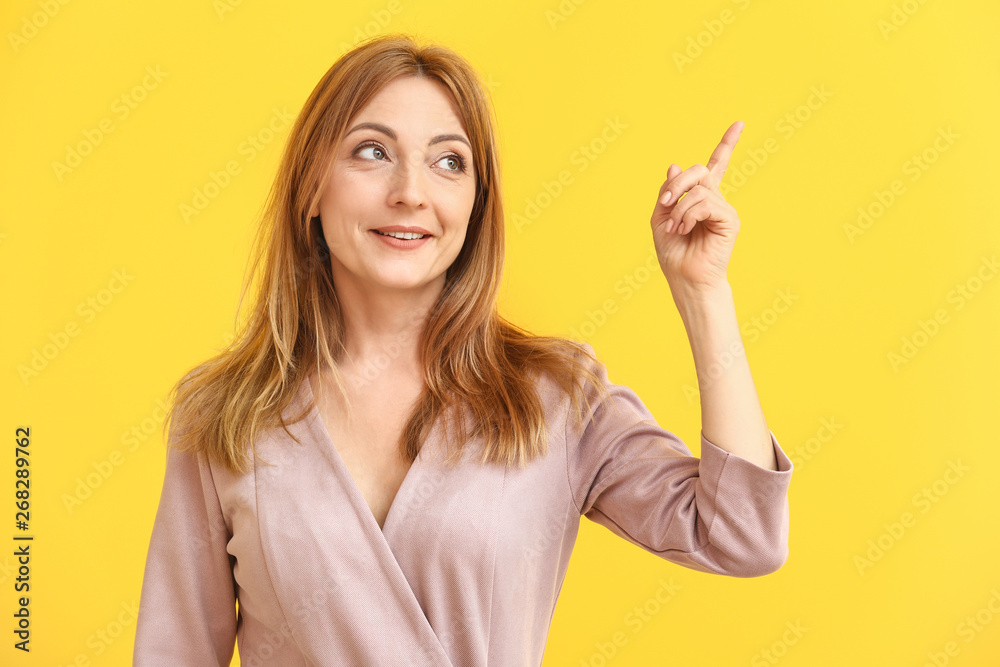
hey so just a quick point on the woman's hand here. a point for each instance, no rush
(694, 233)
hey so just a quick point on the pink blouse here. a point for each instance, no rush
(470, 562)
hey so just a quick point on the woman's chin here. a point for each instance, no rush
(405, 283)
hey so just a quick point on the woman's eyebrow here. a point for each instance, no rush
(392, 135)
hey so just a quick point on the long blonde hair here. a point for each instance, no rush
(472, 358)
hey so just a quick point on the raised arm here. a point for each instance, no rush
(721, 513)
(727, 512)
(694, 230)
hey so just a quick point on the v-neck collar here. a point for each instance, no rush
(317, 531)
(357, 498)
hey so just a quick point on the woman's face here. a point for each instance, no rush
(405, 162)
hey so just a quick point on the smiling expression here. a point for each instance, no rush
(405, 162)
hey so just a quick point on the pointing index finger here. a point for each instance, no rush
(719, 162)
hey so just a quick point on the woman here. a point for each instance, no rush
(383, 471)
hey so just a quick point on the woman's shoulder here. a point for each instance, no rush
(579, 370)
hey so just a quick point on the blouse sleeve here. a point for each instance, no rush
(721, 513)
(187, 608)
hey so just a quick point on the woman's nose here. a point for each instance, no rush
(408, 182)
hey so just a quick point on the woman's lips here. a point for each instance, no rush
(402, 244)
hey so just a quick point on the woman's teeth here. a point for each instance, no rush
(402, 235)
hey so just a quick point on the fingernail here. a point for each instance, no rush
(666, 198)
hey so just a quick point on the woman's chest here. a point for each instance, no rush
(303, 533)
(315, 499)
(365, 435)
(369, 449)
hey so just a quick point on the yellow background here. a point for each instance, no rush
(867, 436)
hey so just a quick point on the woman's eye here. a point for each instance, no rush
(457, 164)
(376, 150)
(453, 162)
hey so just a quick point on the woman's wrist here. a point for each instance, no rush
(697, 306)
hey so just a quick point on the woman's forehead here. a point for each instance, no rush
(416, 103)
